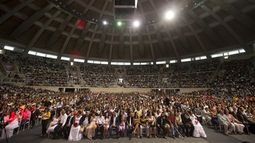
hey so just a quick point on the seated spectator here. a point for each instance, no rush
(53, 124)
(144, 125)
(242, 117)
(100, 124)
(152, 124)
(25, 116)
(172, 122)
(239, 127)
(187, 124)
(11, 122)
(91, 129)
(122, 125)
(206, 117)
(198, 128)
(224, 121)
(136, 124)
(75, 131)
(106, 125)
(162, 125)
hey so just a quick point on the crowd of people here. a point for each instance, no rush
(228, 105)
(75, 116)
(38, 71)
(228, 76)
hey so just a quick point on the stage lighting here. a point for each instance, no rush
(105, 22)
(169, 15)
(136, 23)
(119, 23)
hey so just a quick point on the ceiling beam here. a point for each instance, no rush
(212, 35)
(103, 34)
(81, 37)
(54, 37)
(61, 28)
(169, 35)
(131, 45)
(151, 46)
(96, 27)
(30, 21)
(17, 14)
(159, 38)
(231, 31)
(15, 10)
(67, 40)
(44, 26)
(89, 6)
(241, 17)
(140, 38)
(147, 33)
(91, 41)
(110, 52)
(201, 44)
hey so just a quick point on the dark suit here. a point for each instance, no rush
(249, 126)
(117, 122)
(34, 117)
(188, 128)
(67, 126)
(161, 123)
(130, 126)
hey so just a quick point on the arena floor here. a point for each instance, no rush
(33, 136)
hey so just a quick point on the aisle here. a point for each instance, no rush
(33, 136)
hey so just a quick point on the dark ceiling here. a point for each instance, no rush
(201, 27)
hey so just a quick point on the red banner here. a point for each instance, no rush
(80, 24)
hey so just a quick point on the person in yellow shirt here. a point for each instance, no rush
(45, 120)
(136, 124)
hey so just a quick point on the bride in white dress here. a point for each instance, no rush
(198, 128)
(75, 132)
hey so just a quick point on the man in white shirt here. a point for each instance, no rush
(100, 123)
(59, 129)
(63, 118)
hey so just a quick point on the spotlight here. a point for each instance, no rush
(167, 65)
(105, 22)
(136, 23)
(119, 23)
(169, 15)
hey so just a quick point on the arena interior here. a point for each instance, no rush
(142, 71)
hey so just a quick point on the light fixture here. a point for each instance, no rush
(169, 15)
(10, 48)
(167, 65)
(119, 23)
(105, 22)
(136, 23)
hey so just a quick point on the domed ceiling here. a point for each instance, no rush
(199, 27)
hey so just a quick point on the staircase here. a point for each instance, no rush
(74, 77)
(79, 76)
(216, 72)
